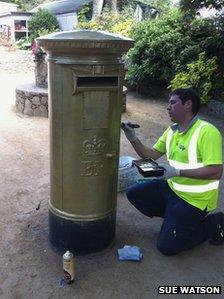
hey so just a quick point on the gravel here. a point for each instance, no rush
(16, 61)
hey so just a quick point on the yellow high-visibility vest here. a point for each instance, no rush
(199, 146)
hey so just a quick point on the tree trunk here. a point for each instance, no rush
(113, 5)
(97, 8)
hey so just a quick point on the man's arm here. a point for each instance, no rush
(210, 172)
(145, 152)
(210, 146)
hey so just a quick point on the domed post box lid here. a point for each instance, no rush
(85, 42)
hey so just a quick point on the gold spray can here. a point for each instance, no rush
(68, 267)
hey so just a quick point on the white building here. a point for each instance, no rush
(13, 24)
(208, 12)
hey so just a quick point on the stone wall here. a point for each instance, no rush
(32, 100)
(214, 108)
(41, 74)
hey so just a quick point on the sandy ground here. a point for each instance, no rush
(29, 268)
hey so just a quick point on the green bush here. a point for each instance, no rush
(23, 44)
(205, 34)
(158, 44)
(165, 46)
(84, 14)
(201, 74)
(123, 27)
(42, 21)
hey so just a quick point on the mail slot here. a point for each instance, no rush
(86, 75)
(104, 82)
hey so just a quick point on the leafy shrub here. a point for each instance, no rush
(201, 75)
(205, 34)
(123, 27)
(165, 46)
(42, 21)
(23, 44)
(158, 44)
(84, 14)
(109, 21)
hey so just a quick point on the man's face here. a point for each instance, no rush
(176, 109)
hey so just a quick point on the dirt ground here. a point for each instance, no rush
(29, 268)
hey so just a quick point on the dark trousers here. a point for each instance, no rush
(184, 225)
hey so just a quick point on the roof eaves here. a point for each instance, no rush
(8, 4)
(62, 6)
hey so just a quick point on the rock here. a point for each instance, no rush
(28, 110)
(41, 111)
(214, 108)
(41, 74)
(20, 106)
(44, 101)
(35, 101)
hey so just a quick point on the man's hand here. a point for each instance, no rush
(129, 132)
(169, 172)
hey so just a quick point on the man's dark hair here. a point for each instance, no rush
(186, 94)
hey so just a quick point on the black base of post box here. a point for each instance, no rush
(81, 237)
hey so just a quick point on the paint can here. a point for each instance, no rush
(68, 267)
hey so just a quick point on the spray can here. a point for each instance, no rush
(68, 267)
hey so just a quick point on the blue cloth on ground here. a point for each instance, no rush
(129, 253)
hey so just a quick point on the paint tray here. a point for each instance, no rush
(148, 167)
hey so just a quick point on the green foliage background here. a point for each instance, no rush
(200, 74)
(191, 7)
(176, 49)
(166, 46)
(121, 22)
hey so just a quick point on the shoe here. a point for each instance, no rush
(218, 239)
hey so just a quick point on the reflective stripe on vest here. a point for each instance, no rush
(196, 189)
(192, 164)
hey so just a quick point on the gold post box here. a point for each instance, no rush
(86, 75)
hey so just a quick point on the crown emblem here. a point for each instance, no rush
(94, 147)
